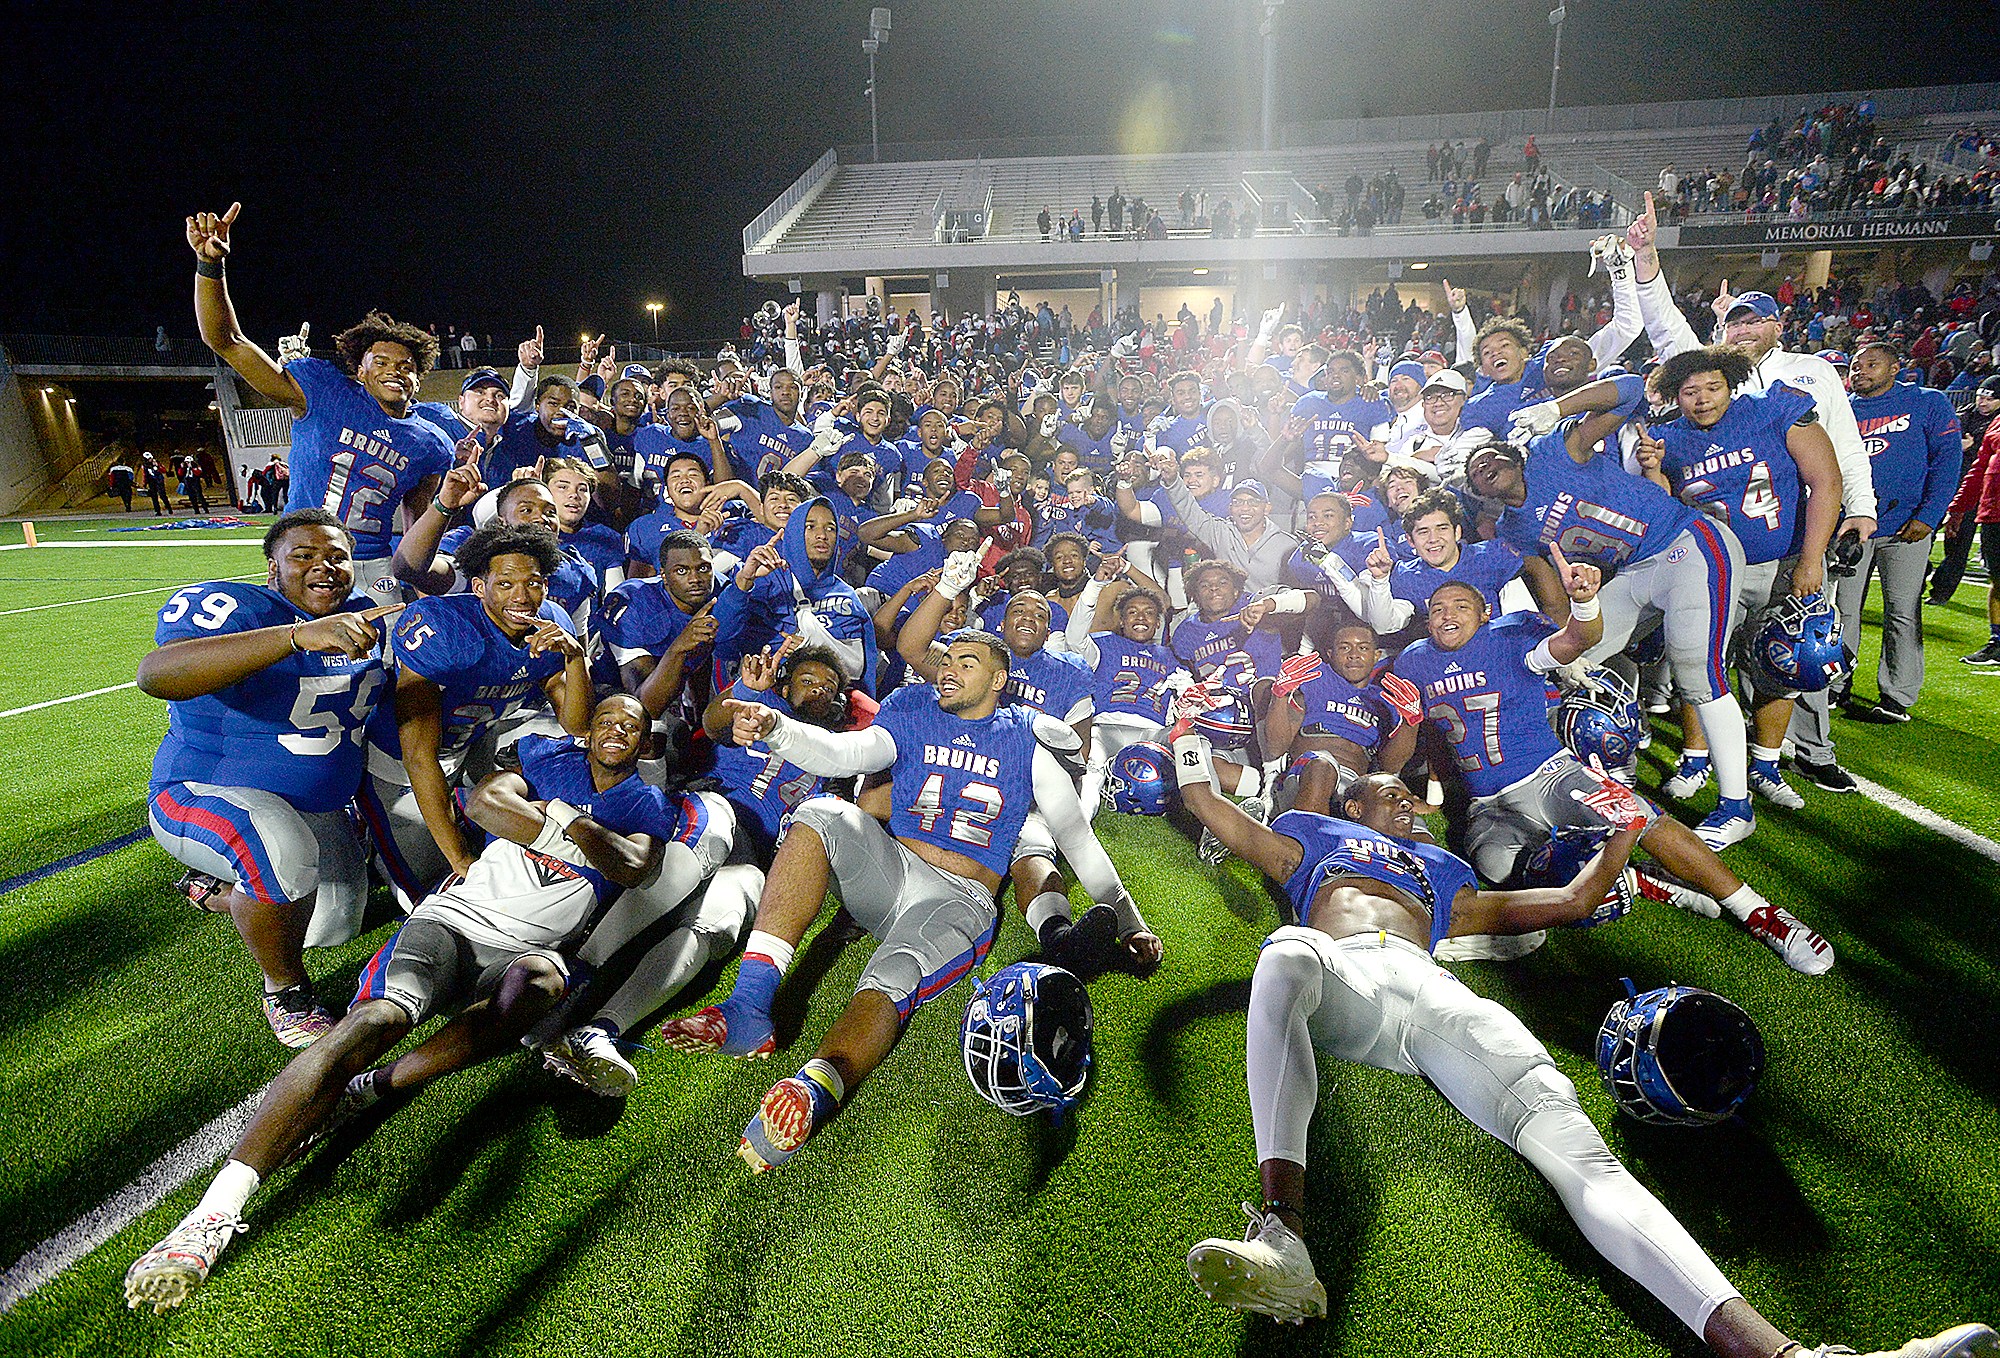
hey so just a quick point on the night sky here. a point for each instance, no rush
(501, 166)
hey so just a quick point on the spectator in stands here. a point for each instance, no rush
(1044, 221)
(1116, 206)
(1096, 215)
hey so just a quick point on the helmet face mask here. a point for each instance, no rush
(1025, 1037)
(1138, 777)
(1231, 722)
(1679, 1056)
(1606, 722)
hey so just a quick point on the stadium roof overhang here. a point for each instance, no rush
(1190, 252)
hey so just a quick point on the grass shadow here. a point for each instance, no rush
(1158, 1049)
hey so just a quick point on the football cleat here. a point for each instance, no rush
(1690, 778)
(589, 1055)
(164, 1275)
(1826, 777)
(1768, 783)
(1787, 935)
(1211, 850)
(1986, 657)
(1960, 1341)
(1269, 1271)
(1731, 822)
(1649, 883)
(790, 1113)
(1085, 945)
(296, 1019)
(201, 890)
(716, 1030)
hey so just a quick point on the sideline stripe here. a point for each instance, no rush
(74, 697)
(75, 860)
(1928, 818)
(66, 1247)
(192, 542)
(107, 598)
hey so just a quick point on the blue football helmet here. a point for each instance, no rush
(1231, 722)
(1797, 647)
(1649, 649)
(1604, 721)
(1138, 778)
(1558, 861)
(1026, 1039)
(1678, 1056)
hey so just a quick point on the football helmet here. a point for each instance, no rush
(1558, 861)
(1138, 778)
(1797, 647)
(1026, 1039)
(1649, 649)
(1678, 1056)
(1230, 723)
(1602, 718)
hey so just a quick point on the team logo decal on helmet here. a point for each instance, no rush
(1229, 724)
(1026, 1039)
(1601, 717)
(1797, 647)
(1138, 779)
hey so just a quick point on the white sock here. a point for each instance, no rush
(1249, 782)
(771, 946)
(1045, 907)
(1763, 756)
(1728, 746)
(229, 1190)
(1743, 901)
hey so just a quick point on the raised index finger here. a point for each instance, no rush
(1556, 557)
(229, 217)
(379, 611)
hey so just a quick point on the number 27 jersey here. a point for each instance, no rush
(1494, 709)
(962, 784)
(293, 728)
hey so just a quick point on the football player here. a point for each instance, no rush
(1134, 673)
(797, 590)
(570, 827)
(269, 688)
(964, 769)
(1330, 717)
(660, 632)
(1354, 978)
(359, 449)
(1399, 590)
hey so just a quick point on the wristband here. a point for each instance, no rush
(292, 636)
(557, 817)
(437, 503)
(1585, 610)
(207, 268)
(1193, 762)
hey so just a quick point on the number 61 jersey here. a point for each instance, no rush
(960, 783)
(294, 728)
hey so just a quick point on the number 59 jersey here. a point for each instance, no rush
(1741, 472)
(294, 728)
(1492, 708)
(355, 460)
(959, 783)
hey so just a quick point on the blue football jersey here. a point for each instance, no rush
(959, 783)
(1132, 676)
(653, 446)
(899, 570)
(355, 460)
(1095, 521)
(523, 442)
(643, 535)
(1341, 848)
(1225, 649)
(1332, 705)
(764, 784)
(294, 728)
(764, 435)
(1492, 708)
(558, 768)
(1094, 454)
(1373, 516)
(484, 676)
(1485, 565)
(992, 614)
(1597, 511)
(601, 547)
(1184, 433)
(1332, 427)
(1739, 471)
(1053, 683)
(1492, 407)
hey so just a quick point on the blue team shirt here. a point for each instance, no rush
(764, 784)
(900, 569)
(1053, 683)
(1334, 706)
(1484, 565)
(523, 442)
(600, 546)
(1095, 521)
(1184, 433)
(764, 435)
(293, 728)
(558, 768)
(1331, 427)
(355, 460)
(959, 783)
(1341, 848)
(1597, 511)
(1094, 454)
(1739, 472)
(483, 675)
(1912, 437)
(644, 534)
(1131, 676)
(1492, 708)
(1226, 650)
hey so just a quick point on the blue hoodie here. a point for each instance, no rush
(779, 603)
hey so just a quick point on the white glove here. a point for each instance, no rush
(960, 570)
(728, 421)
(823, 421)
(825, 443)
(1121, 441)
(1535, 420)
(1268, 326)
(1049, 423)
(292, 348)
(1161, 423)
(897, 341)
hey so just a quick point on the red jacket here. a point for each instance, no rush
(1979, 493)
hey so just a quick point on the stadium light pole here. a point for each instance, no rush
(1270, 33)
(878, 33)
(1556, 17)
(654, 307)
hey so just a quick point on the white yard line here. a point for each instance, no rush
(73, 698)
(107, 598)
(189, 542)
(61, 1251)
(1929, 819)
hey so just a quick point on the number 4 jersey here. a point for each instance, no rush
(1493, 709)
(354, 459)
(963, 784)
(294, 728)
(1740, 471)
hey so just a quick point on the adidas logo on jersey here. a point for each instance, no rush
(1452, 668)
(966, 741)
(521, 673)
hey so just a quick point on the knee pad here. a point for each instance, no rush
(896, 974)
(714, 830)
(1541, 1088)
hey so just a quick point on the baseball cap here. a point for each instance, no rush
(1762, 303)
(1991, 385)
(637, 371)
(1451, 380)
(1250, 487)
(1432, 356)
(1835, 357)
(479, 377)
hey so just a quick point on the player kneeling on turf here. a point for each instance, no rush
(570, 828)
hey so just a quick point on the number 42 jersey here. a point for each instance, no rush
(960, 783)
(294, 728)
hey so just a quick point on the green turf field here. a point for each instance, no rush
(1858, 1200)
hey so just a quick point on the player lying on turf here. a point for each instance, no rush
(570, 828)
(268, 690)
(1355, 979)
(965, 769)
